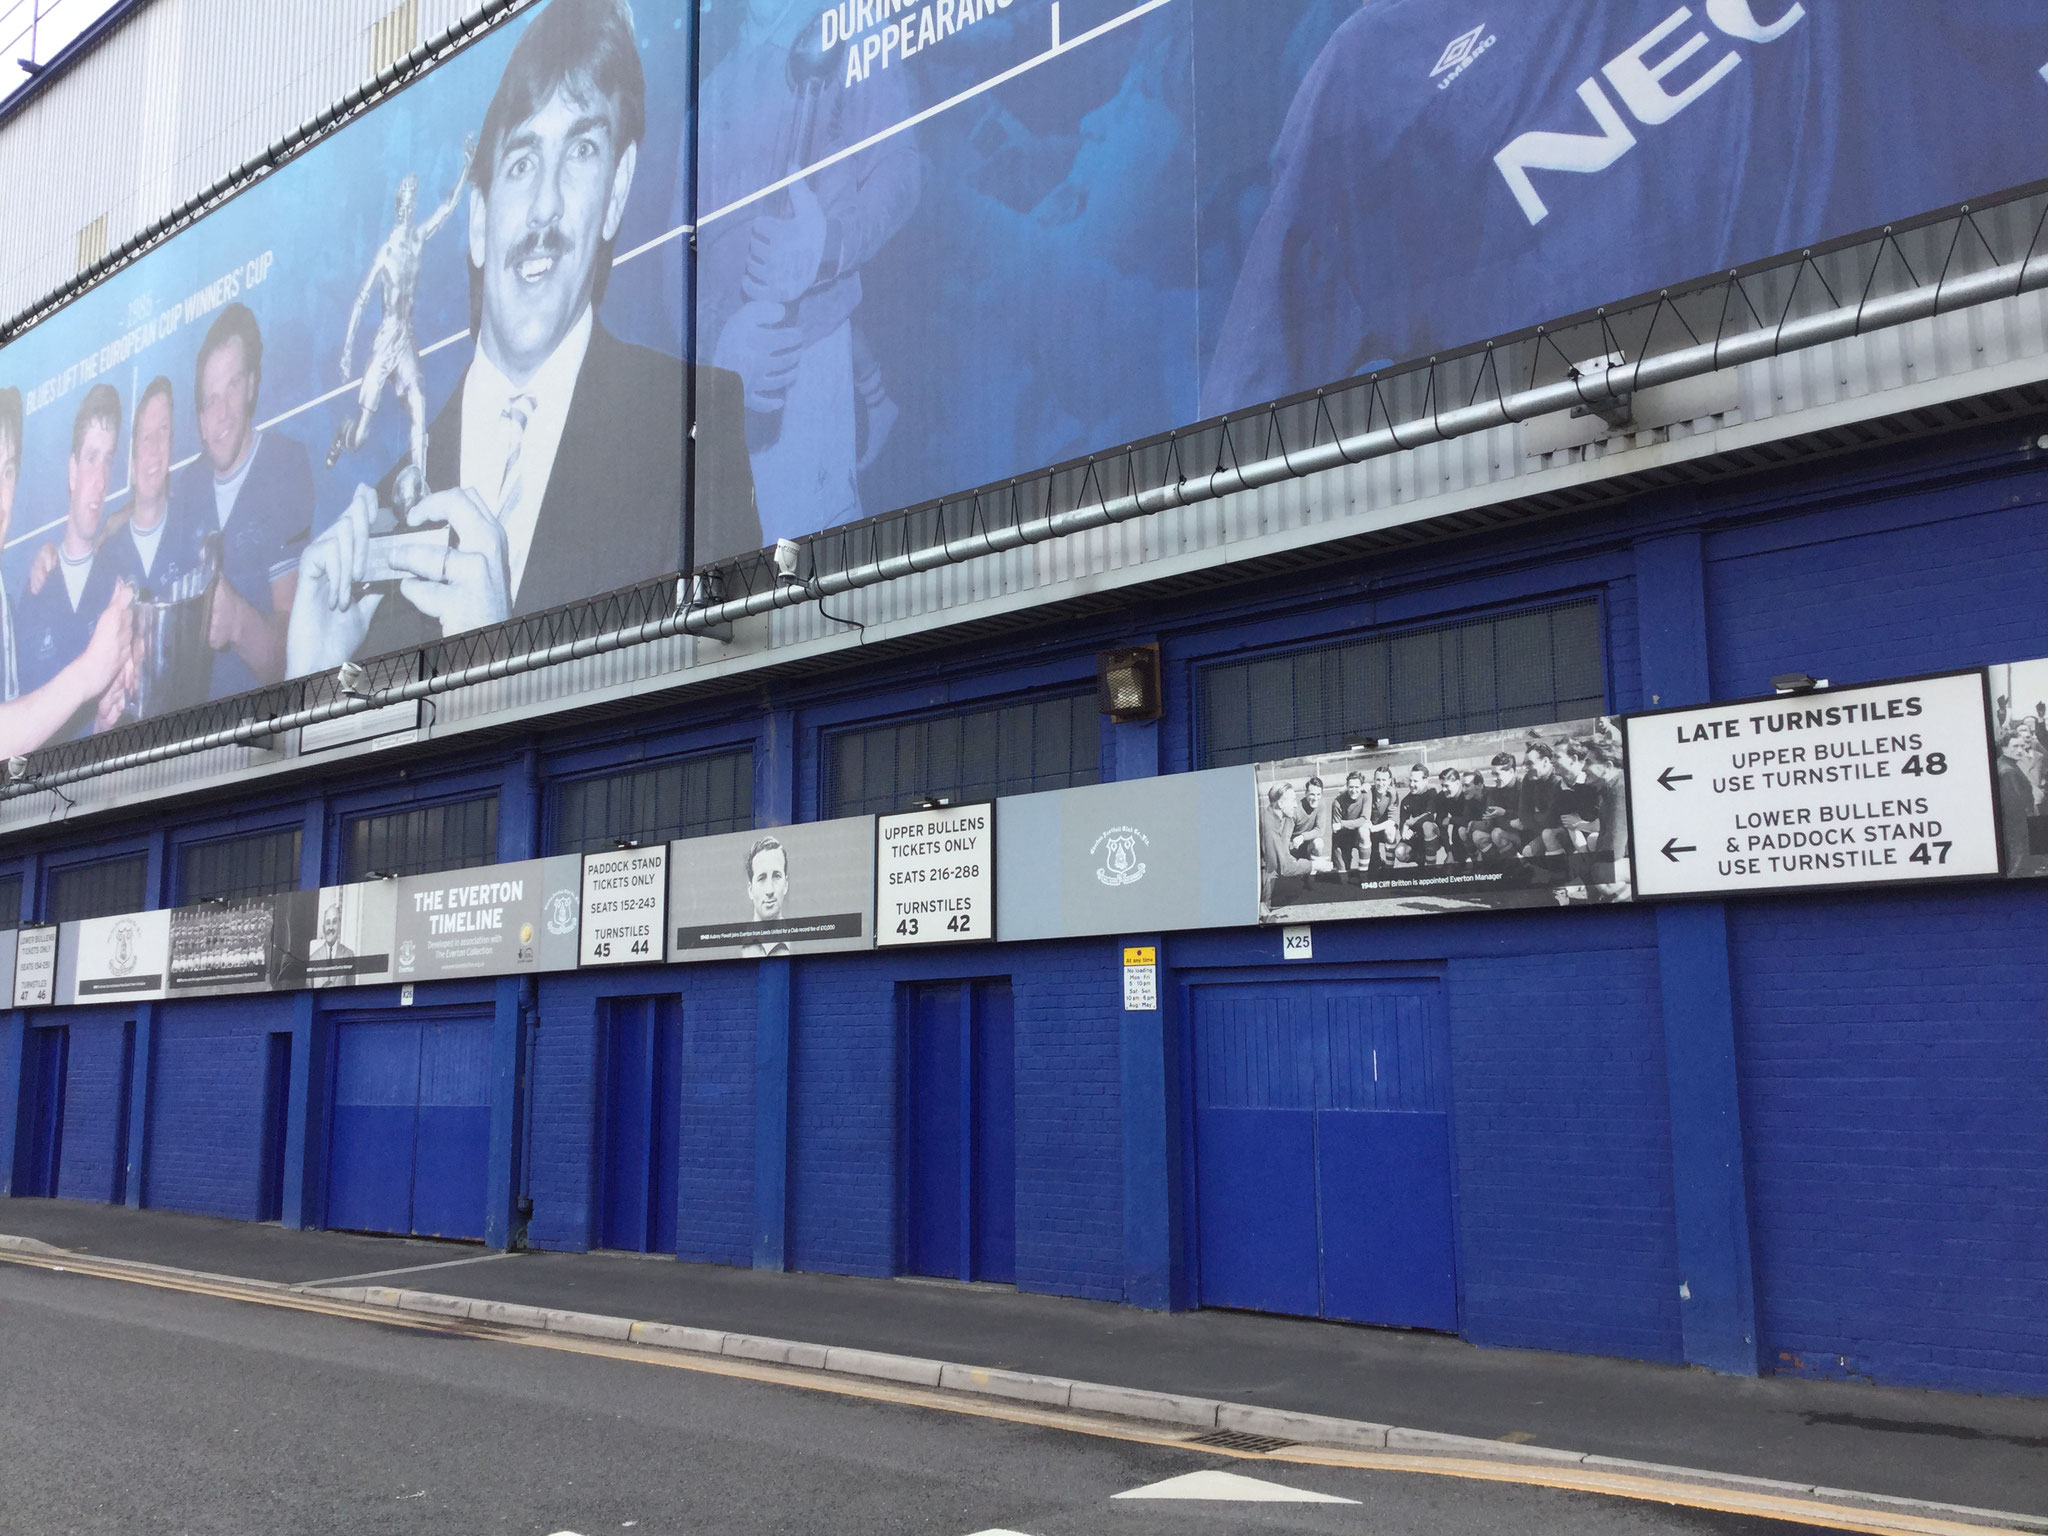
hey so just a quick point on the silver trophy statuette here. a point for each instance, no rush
(394, 352)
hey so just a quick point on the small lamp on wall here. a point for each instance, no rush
(1127, 683)
(1797, 682)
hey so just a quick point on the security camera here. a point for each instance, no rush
(350, 676)
(787, 553)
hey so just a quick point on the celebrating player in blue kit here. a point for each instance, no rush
(1452, 170)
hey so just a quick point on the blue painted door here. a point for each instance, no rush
(409, 1149)
(452, 1154)
(124, 1105)
(936, 1103)
(376, 1110)
(48, 1066)
(1322, 1152)
(995, 1133)
(960, 1137)
(277, 1110)
(642, 1124)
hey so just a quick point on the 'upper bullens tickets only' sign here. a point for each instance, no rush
(935, 876)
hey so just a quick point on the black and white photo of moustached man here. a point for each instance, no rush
(557, 462)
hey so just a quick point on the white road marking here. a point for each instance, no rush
(1219, 1487)
(378, 1274)
(998, 1532)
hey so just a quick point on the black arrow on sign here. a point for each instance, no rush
(1672, 849)
(1671, 779)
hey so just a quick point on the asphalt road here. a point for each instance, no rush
(129, 1409)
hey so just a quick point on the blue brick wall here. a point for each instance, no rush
(206, 1116)
(1561, 1116)
(1624, 646)
(1926, 583)
(1070, 1178)
(844, 1116)
(1893, 1062)
(715, 1217)
(94, 1069)
(563, 1103)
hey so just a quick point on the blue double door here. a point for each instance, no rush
(1322, 1151)
(46, 1072)
(643, 1121)
(409, 1148)
(960, 1142)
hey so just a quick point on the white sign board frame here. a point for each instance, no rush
(35, 966)
(935, 876)
(1879, 784)
(625, 907)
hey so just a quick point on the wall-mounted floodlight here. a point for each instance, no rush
(1797, 682)
(17, 769)
(623, 843)
(350, 675)
(787, 553)
(1364, 741)
(1127, 683)
(933, 802)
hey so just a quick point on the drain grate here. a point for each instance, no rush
(1238, 1440)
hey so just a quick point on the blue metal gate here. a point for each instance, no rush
(409, 1149)
(643, 1124)
(49, 1054)
(961, 1131)
(1322, 1151)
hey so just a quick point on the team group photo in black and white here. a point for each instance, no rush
(1536, 816)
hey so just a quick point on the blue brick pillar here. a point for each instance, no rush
(14, 1045)
(1717, 1305)
(140, 1084)
(771, 1114)
(501, 1178)
(13, 1048)
(1132, 749)
(519, 838)
(312, 844)
(1151, 1144)
(519, 809)
(775, 771)
(305, 1132)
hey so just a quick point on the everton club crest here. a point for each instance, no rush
(122, 943)
(1119, 849)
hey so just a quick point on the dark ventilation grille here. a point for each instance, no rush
(421, 840)
(99, 889)
(1489, 674)
(10, 903)
(1009, 750)
(234, 868)
(692, 798)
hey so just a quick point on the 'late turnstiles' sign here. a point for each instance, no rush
(1876, 784)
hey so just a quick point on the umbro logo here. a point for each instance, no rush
(1460, 55)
